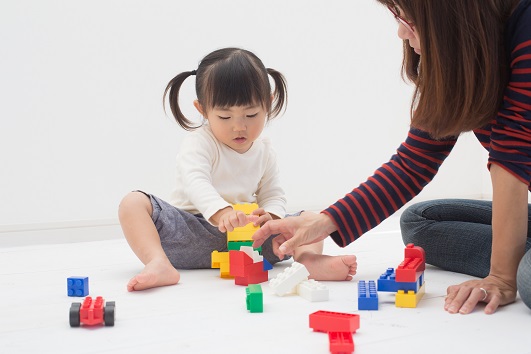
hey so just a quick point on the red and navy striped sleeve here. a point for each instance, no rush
(510, 138)
(418, 159)
(414, 165)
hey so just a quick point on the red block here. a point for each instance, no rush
(326, 321)
(340, 342)
(238, 260)
(413, 265)
(91, 312)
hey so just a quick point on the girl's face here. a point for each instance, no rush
(237, 126)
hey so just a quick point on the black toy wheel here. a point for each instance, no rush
(108, 313)
(74, 314)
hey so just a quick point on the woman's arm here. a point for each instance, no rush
(509, 232)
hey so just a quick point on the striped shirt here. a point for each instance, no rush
(507, 139)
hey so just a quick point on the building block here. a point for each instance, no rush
(254, 298)
(413, 265)
(409, 299)
(412, 251)
(312, 290)
(235, 245)
(340, 342)
(286, 281)
(387, 282)
(247, 208)
(77, 286)
(267, 265)
(238, 261)
(254, 255)
(326, 321)
(367, 295)
(253, 274)
(92, 312)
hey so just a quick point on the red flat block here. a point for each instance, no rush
(326, 321)
(340, 342)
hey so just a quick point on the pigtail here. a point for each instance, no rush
(172, 90)
(280, 95)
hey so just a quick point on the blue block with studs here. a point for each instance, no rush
(367, 295)
(77, 286)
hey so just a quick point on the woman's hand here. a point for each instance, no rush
(492, 290)
(295, 231)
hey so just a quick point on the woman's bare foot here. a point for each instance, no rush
(324, 267)
(156, 273)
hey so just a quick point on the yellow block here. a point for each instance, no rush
(409, 299)
(246, 208)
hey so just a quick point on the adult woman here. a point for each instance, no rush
(470, 62)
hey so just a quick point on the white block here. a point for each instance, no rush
(312, 290)
(287, 280)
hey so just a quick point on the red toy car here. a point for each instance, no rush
(92, 312)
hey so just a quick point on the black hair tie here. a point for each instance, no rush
(193, 72)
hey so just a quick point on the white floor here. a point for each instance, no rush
(207, 314)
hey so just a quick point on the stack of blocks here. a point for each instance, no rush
(407, 282)
(241, 262)
(339, 327)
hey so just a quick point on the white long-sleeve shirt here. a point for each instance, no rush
(212, 176)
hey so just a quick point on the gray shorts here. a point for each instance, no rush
(188, 240)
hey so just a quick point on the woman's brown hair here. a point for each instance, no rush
(461, 75)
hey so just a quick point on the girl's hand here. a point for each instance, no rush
(492, 290)
(263, 217)
(231, 219)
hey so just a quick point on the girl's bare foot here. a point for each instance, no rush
(324, 267)
(155, 273)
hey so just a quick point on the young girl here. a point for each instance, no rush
(470, 62)
(221, 162)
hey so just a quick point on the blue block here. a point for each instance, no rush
(267, 265)
(77, 286)
(367, 296)
(387, 281)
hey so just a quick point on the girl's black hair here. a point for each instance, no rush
(230, 77)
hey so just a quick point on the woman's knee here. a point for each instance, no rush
(411, 221)
(523, 279)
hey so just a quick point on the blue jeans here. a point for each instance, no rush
(456, 235)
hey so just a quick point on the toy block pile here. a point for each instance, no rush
(242, 262)
(407, 282)
(294, 280)
(339, 327)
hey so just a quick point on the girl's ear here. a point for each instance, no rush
(199, 108)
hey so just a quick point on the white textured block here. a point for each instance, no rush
(312, 290)
(287, 280)
(256, 257)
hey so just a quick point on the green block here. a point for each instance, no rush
(235, 245)
(254, 298)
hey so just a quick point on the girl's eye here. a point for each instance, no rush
(252, 115)
(220, 117)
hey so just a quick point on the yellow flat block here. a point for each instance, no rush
(409, 299)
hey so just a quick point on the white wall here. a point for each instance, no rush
(81, 91)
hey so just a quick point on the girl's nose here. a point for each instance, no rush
(239, 124)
